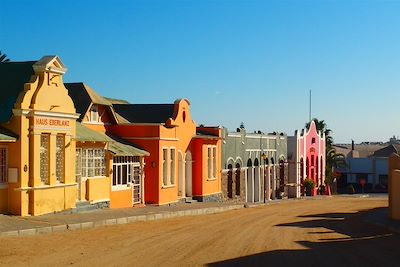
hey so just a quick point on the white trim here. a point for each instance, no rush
(260, 150)
(99, 200)
(44, 187)
(262, 137)
(53, 114)
(121, 187)
(95, 123)
(168, 186)
(50, 128)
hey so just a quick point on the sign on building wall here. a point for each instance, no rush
(48, 123)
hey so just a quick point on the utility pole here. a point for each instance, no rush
(309, 117)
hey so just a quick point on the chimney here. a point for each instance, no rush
(352, 145)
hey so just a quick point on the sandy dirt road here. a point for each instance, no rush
(324, 232)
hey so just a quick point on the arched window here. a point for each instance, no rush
(237, 179)
(230, 181)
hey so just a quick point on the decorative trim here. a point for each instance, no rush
(44, 187)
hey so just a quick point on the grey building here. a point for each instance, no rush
(253, 165)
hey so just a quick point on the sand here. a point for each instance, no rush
(320, 232)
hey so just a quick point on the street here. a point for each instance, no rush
(314, 232)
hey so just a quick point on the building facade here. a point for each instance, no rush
(253, 166)
(182, 163)
(110, 170)
(38, 165)
(306, 159)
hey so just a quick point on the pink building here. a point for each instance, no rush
(306, 158)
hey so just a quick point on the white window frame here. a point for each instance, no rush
(172, 165)
(168, 167)
(211, 162)
(165, 167)
(130, 162)
(85, 168)
(94, 113)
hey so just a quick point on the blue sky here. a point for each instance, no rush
(250, 61)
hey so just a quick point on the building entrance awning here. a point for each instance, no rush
(116, 145)
(7, 136)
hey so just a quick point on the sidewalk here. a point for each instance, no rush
(15, 225)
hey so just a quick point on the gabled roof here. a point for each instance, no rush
(83, 96)
(145, 113)
(387, 151)
(84, 134)
(7, 136)
(116, 101)
(116, 145)
(13, 76)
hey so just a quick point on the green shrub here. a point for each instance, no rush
(309, 186)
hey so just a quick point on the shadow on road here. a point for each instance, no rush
(364, 244)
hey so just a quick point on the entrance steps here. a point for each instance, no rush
(84, 206)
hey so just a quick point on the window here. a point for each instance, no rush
(3, 165)
(168, 167)
(44, 158)
(172, 168)
(93, 162)
(60, 155)
(312, 160)
(212, 162)
(313, 140)
(126, 170)
(165, 166)
(94, 114)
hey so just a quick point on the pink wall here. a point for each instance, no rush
(313, 155)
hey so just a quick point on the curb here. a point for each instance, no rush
(118, 221)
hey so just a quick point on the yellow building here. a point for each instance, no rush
(38, 146)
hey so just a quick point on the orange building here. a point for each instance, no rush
(182, 164)
(109, 170)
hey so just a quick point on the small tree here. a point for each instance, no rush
(3, 58)
(309, 186)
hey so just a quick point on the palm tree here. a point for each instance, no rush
(3, 58)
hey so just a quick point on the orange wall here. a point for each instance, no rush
(201, 185)
(121, 199)
(177, 133)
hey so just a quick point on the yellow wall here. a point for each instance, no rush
(52, 199)
(98, 189)
(43, 106)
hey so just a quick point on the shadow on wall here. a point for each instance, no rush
(365, 245)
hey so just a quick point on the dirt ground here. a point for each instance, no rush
(324, 232)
